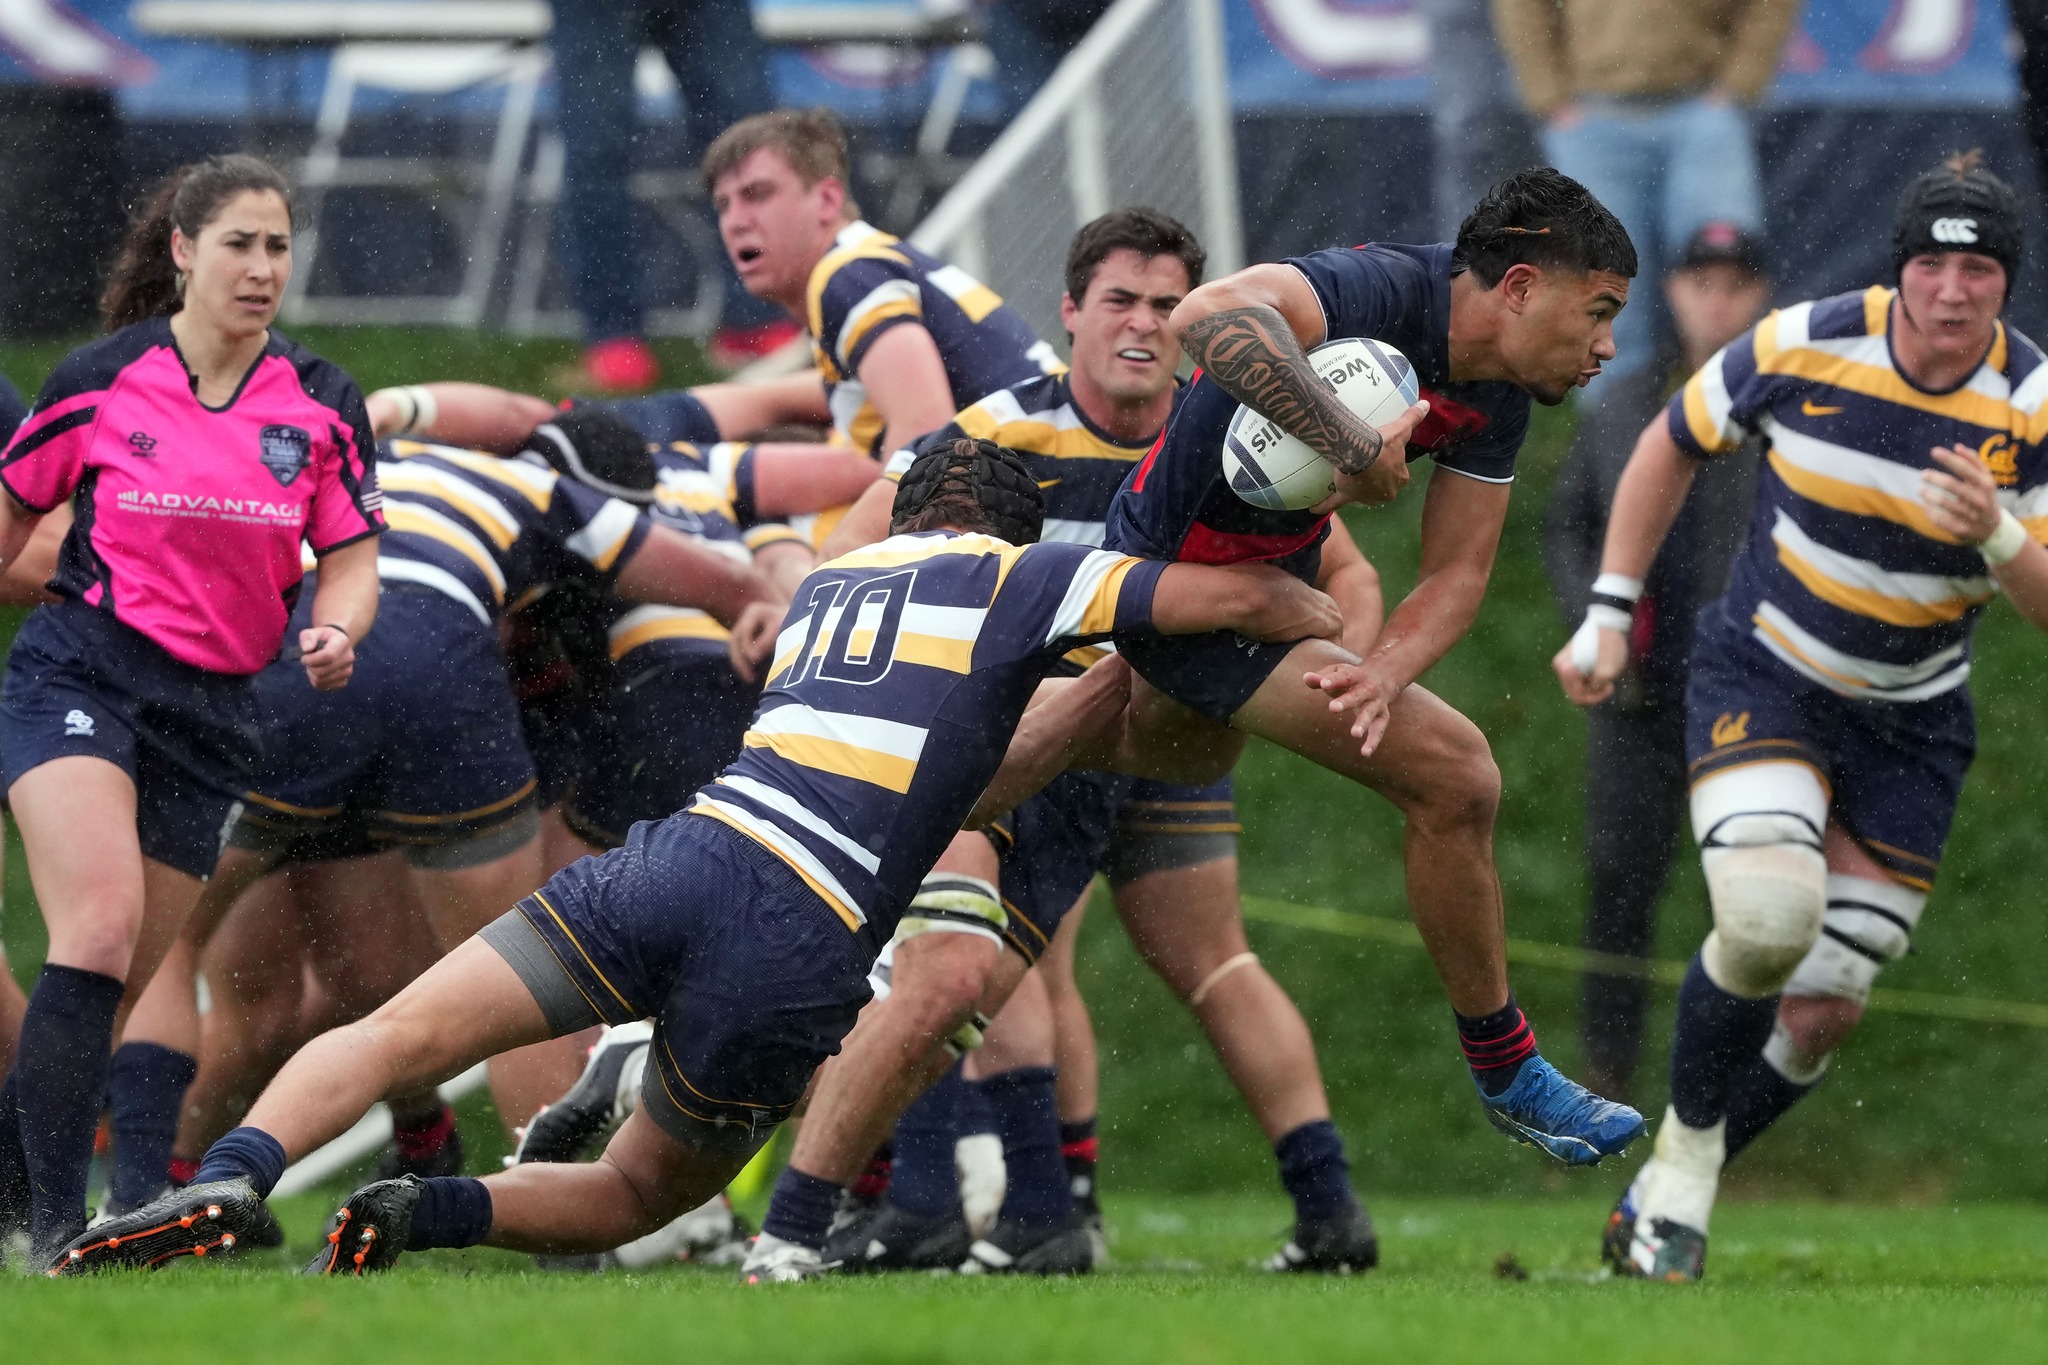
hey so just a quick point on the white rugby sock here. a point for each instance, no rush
(1680, 1180)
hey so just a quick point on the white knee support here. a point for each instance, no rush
(1759, 828)
(1869, 923)
(946, 903)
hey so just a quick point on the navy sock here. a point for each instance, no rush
(1759, 1097)
(13, 1170)
(923, 1179)
(145, 1090)
(800, 1210)
(245, 1154)
(60, 1076)
(454, 1211)
(1496, 1045)
(1028, 1121)
(1313, 1168)
(1718, 1036)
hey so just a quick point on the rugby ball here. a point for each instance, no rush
(1269, 468)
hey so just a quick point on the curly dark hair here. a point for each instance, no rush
(1546, 219)
(1145, 231)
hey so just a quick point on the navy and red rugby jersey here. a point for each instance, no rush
(1176, 504)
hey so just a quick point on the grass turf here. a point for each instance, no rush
(1814, 1284)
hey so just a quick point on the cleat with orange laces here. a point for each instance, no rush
(370, 1231)
(199, 1220)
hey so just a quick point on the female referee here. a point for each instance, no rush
(197, 448)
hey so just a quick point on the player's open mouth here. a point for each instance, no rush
(747, 255)
(1137, 355)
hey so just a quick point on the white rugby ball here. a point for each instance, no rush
(1269, 468)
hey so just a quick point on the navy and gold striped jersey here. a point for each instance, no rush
(898, 679)
(1844, 578)
(492, 533)
(870, 282)
(1078, 467)
(699, 492)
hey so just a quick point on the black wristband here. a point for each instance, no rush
(1608, 599)
(329, 625)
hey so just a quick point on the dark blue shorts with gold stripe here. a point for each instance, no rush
(421, 749)
(1162, 826)
(1895, 769)
(752, 981)
(1048, 849)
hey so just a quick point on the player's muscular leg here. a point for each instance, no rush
(1814, 1024)
(1435, 766)
(897, 1049)
(1022, 1034)
(644, 1180)
(461, 900)
(468, 1006)
(1187, 925)
(257, 982)
(1161, 739)
(1073, 1031)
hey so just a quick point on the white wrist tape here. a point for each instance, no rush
(1618, 585)
(1586, 639)
(2004, 545)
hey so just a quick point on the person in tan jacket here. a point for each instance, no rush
(1644, 103)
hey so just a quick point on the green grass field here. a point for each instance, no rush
(1805, 1283)
(1898, 1216)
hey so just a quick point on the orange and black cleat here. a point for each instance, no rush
(199, 1220)
(370, 1231)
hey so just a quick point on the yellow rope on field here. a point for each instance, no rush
(1557, 957)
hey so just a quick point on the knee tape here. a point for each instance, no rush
(1759, 829)
(951, 903)
(1868, 924)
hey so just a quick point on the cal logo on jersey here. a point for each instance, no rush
(1731, 729)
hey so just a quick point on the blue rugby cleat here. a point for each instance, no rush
(1546, 1109)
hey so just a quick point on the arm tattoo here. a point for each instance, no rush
(1252, 354)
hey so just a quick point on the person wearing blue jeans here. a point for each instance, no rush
(1644, 102)
(722, 70)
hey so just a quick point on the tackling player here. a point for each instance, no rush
(746, 924)
(1828, 721)
(1174, 879)
(1521, 306)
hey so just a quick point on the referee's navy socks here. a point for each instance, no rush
(145, 1089)
(923, 1179)
(800, 1210)
(1496, 1045)
(1027, 1112)
(1314, 1169)
(245, 1154)
(1718, 1036)
(60, 1077)
(454, 1211)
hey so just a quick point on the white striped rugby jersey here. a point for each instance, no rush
(493, 533)
(899, 677)
(1844, 578)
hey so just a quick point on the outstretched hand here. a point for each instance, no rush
(1364, 690)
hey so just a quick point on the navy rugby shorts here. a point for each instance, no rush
(655, 737)
(423, 747)
(1162, 826)
(1048, 849)
(751, 979)
(81, 682)
(1894, 769)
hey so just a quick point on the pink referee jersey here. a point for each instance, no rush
(188, 519)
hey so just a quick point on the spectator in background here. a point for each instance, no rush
(1479, 132)
(722, 70)
(1029, 38)
(1642, 102)
(1635, 750)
